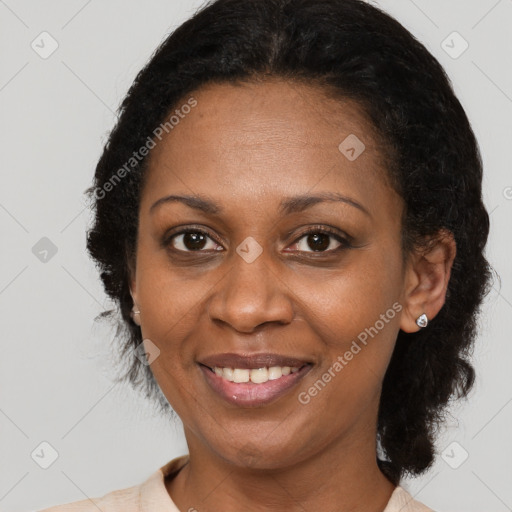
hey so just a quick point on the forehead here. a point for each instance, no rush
(261, 139)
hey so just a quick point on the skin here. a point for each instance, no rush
(247, 147)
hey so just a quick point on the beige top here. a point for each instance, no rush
(152, 496)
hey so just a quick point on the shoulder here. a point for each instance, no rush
(126, 500)
(402, 501)
(149, 495)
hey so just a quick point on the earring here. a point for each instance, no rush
(135, 315)
(422, 320)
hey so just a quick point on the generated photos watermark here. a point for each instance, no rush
(342, 360)
(143, 151)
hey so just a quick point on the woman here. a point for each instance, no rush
(289, 216)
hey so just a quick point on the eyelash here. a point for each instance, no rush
(344, 242)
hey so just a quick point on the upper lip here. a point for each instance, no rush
(251, 361)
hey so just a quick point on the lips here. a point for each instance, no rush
(249, 394)
(251, 361)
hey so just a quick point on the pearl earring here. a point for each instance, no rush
(422, 321)
(135, 314)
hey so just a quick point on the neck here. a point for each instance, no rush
(342, 477)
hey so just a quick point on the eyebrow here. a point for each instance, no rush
(287, 206)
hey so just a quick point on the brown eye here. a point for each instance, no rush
(318, 241)
(321, 240)
(190, 241)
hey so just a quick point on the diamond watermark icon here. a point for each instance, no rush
(352, 147)
(454, 455)
(249, 249)
(44, 455)
(455, 45)
(44, 250)
(250, 453)
(146, 352)
(44, 45)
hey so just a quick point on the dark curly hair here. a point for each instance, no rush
(432, 156)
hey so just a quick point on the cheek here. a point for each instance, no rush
(169, 298)
(354, 298)
(356, 314)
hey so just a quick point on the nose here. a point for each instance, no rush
(251, 295)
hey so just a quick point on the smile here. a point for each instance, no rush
(255, 375)
(253, 387)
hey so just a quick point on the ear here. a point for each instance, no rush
(426, 280)
(132, 280)
(133, 292)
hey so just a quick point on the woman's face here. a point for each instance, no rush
(266, 178)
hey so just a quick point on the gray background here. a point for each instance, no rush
(54, 365)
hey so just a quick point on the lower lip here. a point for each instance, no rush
(248, 394)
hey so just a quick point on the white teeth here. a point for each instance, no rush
(274, 372)
(240, 375)
(255, 375)
(259, 375)
(228, 373)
